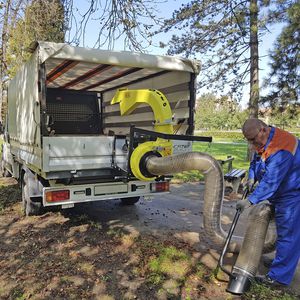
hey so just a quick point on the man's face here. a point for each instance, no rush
(257, 137)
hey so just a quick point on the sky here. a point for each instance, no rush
(166, 8)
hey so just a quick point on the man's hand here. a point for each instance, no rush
(249, 185)
(243, 204)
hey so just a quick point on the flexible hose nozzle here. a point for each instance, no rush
(253, 243)
(213, 195)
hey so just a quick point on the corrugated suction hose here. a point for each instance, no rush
(252, 247)
(247, 262)
(213, 195)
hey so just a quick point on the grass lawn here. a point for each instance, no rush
(219, 150)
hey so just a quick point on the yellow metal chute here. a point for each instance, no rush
(129, 100)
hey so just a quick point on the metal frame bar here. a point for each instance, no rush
(165, 136)
(112, 78)
(135, 81)
(192, 83)
(42, 99)
(59, 70)
(87, 75)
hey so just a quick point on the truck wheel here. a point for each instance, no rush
(31, 206)
(130, 200)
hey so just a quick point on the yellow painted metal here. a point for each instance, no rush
(163, 147)
(129, 100)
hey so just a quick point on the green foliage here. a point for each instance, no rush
(219, 32)
(285, 60)
(260, 292)
(284, 116)
(226, 36)
(44, 21)
(170, 263)
(218, 113)
(18, 294)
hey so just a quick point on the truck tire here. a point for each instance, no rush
(130, 200)
(32, 206)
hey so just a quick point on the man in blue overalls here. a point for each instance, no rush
(276, 168)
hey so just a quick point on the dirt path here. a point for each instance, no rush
(89, 253)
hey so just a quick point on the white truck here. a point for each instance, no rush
(64, 140)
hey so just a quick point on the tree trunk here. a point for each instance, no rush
(254, 82)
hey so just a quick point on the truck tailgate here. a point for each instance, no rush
(62, 153)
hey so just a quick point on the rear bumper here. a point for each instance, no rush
(101, 191)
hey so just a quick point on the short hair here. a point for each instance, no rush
(253, 123)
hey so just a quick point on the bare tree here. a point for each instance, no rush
(23, 21)
(131, 21)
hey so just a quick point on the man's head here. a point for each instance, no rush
(256, 132)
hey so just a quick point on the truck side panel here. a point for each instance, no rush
(24, 114)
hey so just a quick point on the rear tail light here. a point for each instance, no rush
(161, 186)
(55, 196)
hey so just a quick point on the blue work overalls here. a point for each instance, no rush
(278, 172)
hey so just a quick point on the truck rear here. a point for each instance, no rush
(64, 140)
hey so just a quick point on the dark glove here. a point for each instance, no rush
(249, 185)
(243, 204)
